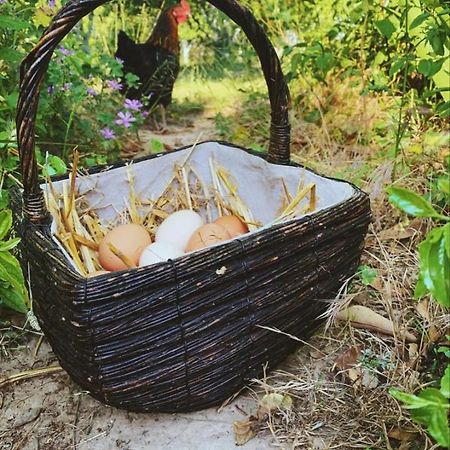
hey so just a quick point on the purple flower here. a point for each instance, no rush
(134, 105)
(52, 3)
(92, 91)
(125, 119)
(108, 134)
(66, 87)
(114, 85)
(2, 2)
(119, 60)
(51, 88)
(145, 114)
(66, 52)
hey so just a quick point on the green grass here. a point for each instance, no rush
(215, 95)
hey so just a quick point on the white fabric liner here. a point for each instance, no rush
(259, 183)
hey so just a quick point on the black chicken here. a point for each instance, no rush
(157, 61)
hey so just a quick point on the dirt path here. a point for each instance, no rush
(51, 413)
(179, 135)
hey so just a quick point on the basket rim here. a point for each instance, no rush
(44, 229)
(263, 155)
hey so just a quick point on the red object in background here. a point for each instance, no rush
(157, 61)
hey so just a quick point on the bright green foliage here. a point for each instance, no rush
(13, 293)
(156, 146)
(413, 204)
(434, 251)
(367, 274)
(430, 408)
(54, 166)
(386, 27)
(77, 103)
(397, 45)
(434, 264)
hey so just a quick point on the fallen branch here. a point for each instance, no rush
(27, 374)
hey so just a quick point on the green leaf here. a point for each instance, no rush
(447, 239)
(9, 54)
(380, 58)
(325, 61)
(433, 414)
(14, 299)
(438, 428)
(9, 245)
(419, 20)
(397, 65)
(297, 62)
(443, 184)
(12, 99)
(443, 109)
(445, 383)
(10, 270)
(12, 23)
(367, 274)
(420, 289)
(411, 203)
(257, 147)
(385, 27)
(4, 199)
(444, 350)
(434, 397)
(58, 164)
(14, 294)
(436, 38)
(429, 68)
(5, 222)
(410, 401)
(156, 146)
(54, 166)
(43, 16)
(427, 408)
(4, 136)
(434, 266)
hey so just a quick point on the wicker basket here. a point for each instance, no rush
(183, 335)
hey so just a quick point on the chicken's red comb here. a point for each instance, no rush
(185, 5)
(182, 11)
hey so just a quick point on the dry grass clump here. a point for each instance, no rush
(339, 380)
(345, 119)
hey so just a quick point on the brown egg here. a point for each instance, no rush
(130, 240)
(207, 235)
(233, 224)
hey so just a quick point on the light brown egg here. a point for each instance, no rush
(130, 240)
(233, 224)
(207, 235)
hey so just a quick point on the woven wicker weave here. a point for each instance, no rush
(179, 336)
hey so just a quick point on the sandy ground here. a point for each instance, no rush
(51, 412)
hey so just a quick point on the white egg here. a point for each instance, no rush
(178, 228)
(158, 252)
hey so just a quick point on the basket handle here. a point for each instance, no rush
(34, 67)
